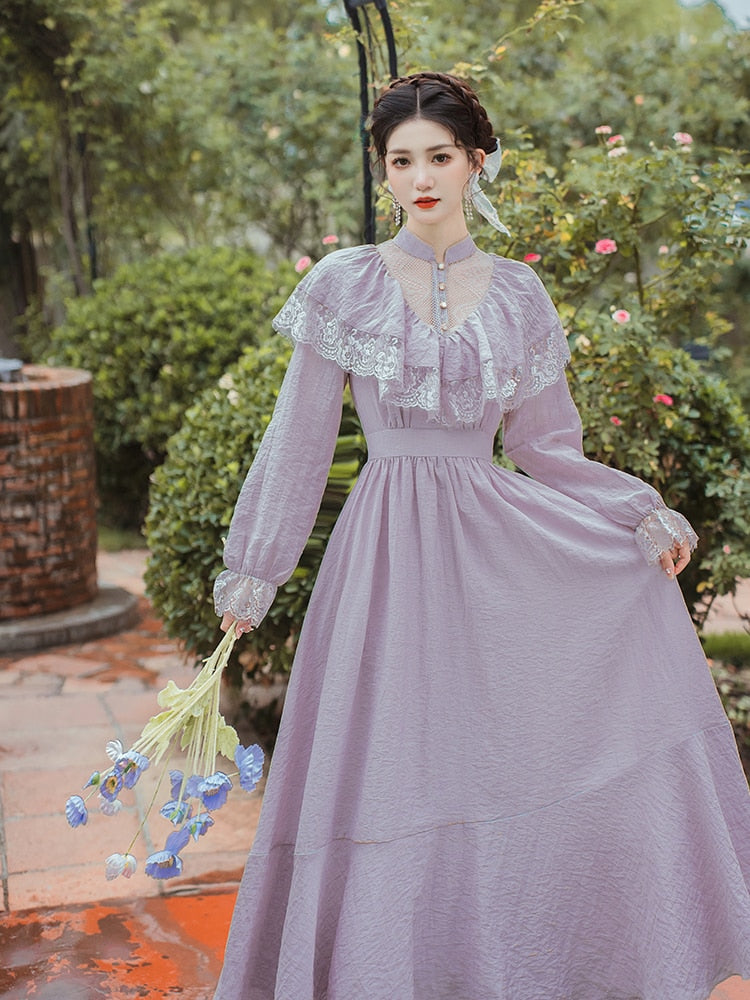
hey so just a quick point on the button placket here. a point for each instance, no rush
(439, 287)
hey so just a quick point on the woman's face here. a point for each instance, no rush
(428, 173)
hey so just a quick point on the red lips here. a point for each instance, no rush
(426, 202)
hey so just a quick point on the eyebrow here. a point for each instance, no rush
(430, 149)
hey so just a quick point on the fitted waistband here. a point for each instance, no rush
(391, 442)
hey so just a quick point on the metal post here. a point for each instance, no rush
(352, 9)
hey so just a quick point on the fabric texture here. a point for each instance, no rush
(503, 769)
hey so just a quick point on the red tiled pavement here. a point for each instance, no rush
(65, 932)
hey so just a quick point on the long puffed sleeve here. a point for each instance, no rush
(279, 500)
(544, 438)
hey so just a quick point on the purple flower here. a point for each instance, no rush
(176, 812)
(119, 864)
(177, 840)
(214, 789)
(75, 811)
(191, 785)
(131, 766)
(163, 864)
(200, 825)
(111, 785)
(249, 760)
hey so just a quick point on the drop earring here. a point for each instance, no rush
(468, 203)
(397, 211)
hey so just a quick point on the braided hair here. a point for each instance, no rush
(437, 97)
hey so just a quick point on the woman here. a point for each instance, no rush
(503, 770)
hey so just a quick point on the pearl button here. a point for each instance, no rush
(444, 327)
(443, 305)
(441, 286)
(441, 267)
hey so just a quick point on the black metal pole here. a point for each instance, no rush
(352, 10)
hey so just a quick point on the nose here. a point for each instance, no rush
(423, 179)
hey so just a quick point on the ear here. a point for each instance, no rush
(476, 160)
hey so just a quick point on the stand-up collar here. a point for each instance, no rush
(412, 244)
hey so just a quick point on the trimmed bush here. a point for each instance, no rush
(153, 336)
(193, 495)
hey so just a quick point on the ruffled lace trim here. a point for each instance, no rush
(362, 352)
(660, 530)
(468, 370)
(246, 598)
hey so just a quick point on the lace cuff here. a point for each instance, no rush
(246, 598)
(660, 529)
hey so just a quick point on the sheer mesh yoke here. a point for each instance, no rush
(376, 312)
(443, 298)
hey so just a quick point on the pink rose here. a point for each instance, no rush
(683, 138)
(726, 549)
(605, 246)
(302, 264)
(615, 140)
(621, 316)
(616, 421)
(663, 249)
(532, 258)
(330, 239)
(617, 151)
(638, 99)
(662, 398)
(603, 130)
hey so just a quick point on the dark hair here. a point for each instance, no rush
(439, 98)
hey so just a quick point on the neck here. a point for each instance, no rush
(439, 237)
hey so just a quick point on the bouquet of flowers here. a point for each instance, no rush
(192, 721)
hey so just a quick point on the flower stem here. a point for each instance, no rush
(146, 815)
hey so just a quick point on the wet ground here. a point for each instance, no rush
(144, 948)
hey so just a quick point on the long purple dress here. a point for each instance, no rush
(503, 771)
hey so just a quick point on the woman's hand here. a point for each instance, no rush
(674, 560)
(240, 627)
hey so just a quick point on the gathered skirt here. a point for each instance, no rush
(503, 771)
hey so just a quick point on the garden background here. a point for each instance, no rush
(168, 170)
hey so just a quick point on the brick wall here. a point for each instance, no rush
(47, 492)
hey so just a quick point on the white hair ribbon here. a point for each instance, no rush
(479, 199)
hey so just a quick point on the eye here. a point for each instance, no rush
(399, 161)
(442, 157)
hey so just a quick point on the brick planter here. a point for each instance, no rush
(48, 534)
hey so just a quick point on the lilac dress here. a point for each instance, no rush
(503, 770)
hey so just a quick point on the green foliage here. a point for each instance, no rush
(649, 409)
(732, 648)
(195, 490)
(153, 336)
(669, 213)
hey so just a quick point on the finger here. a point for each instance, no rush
(226, 622)
(243, 627)
(667, 563)
(683, 558)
